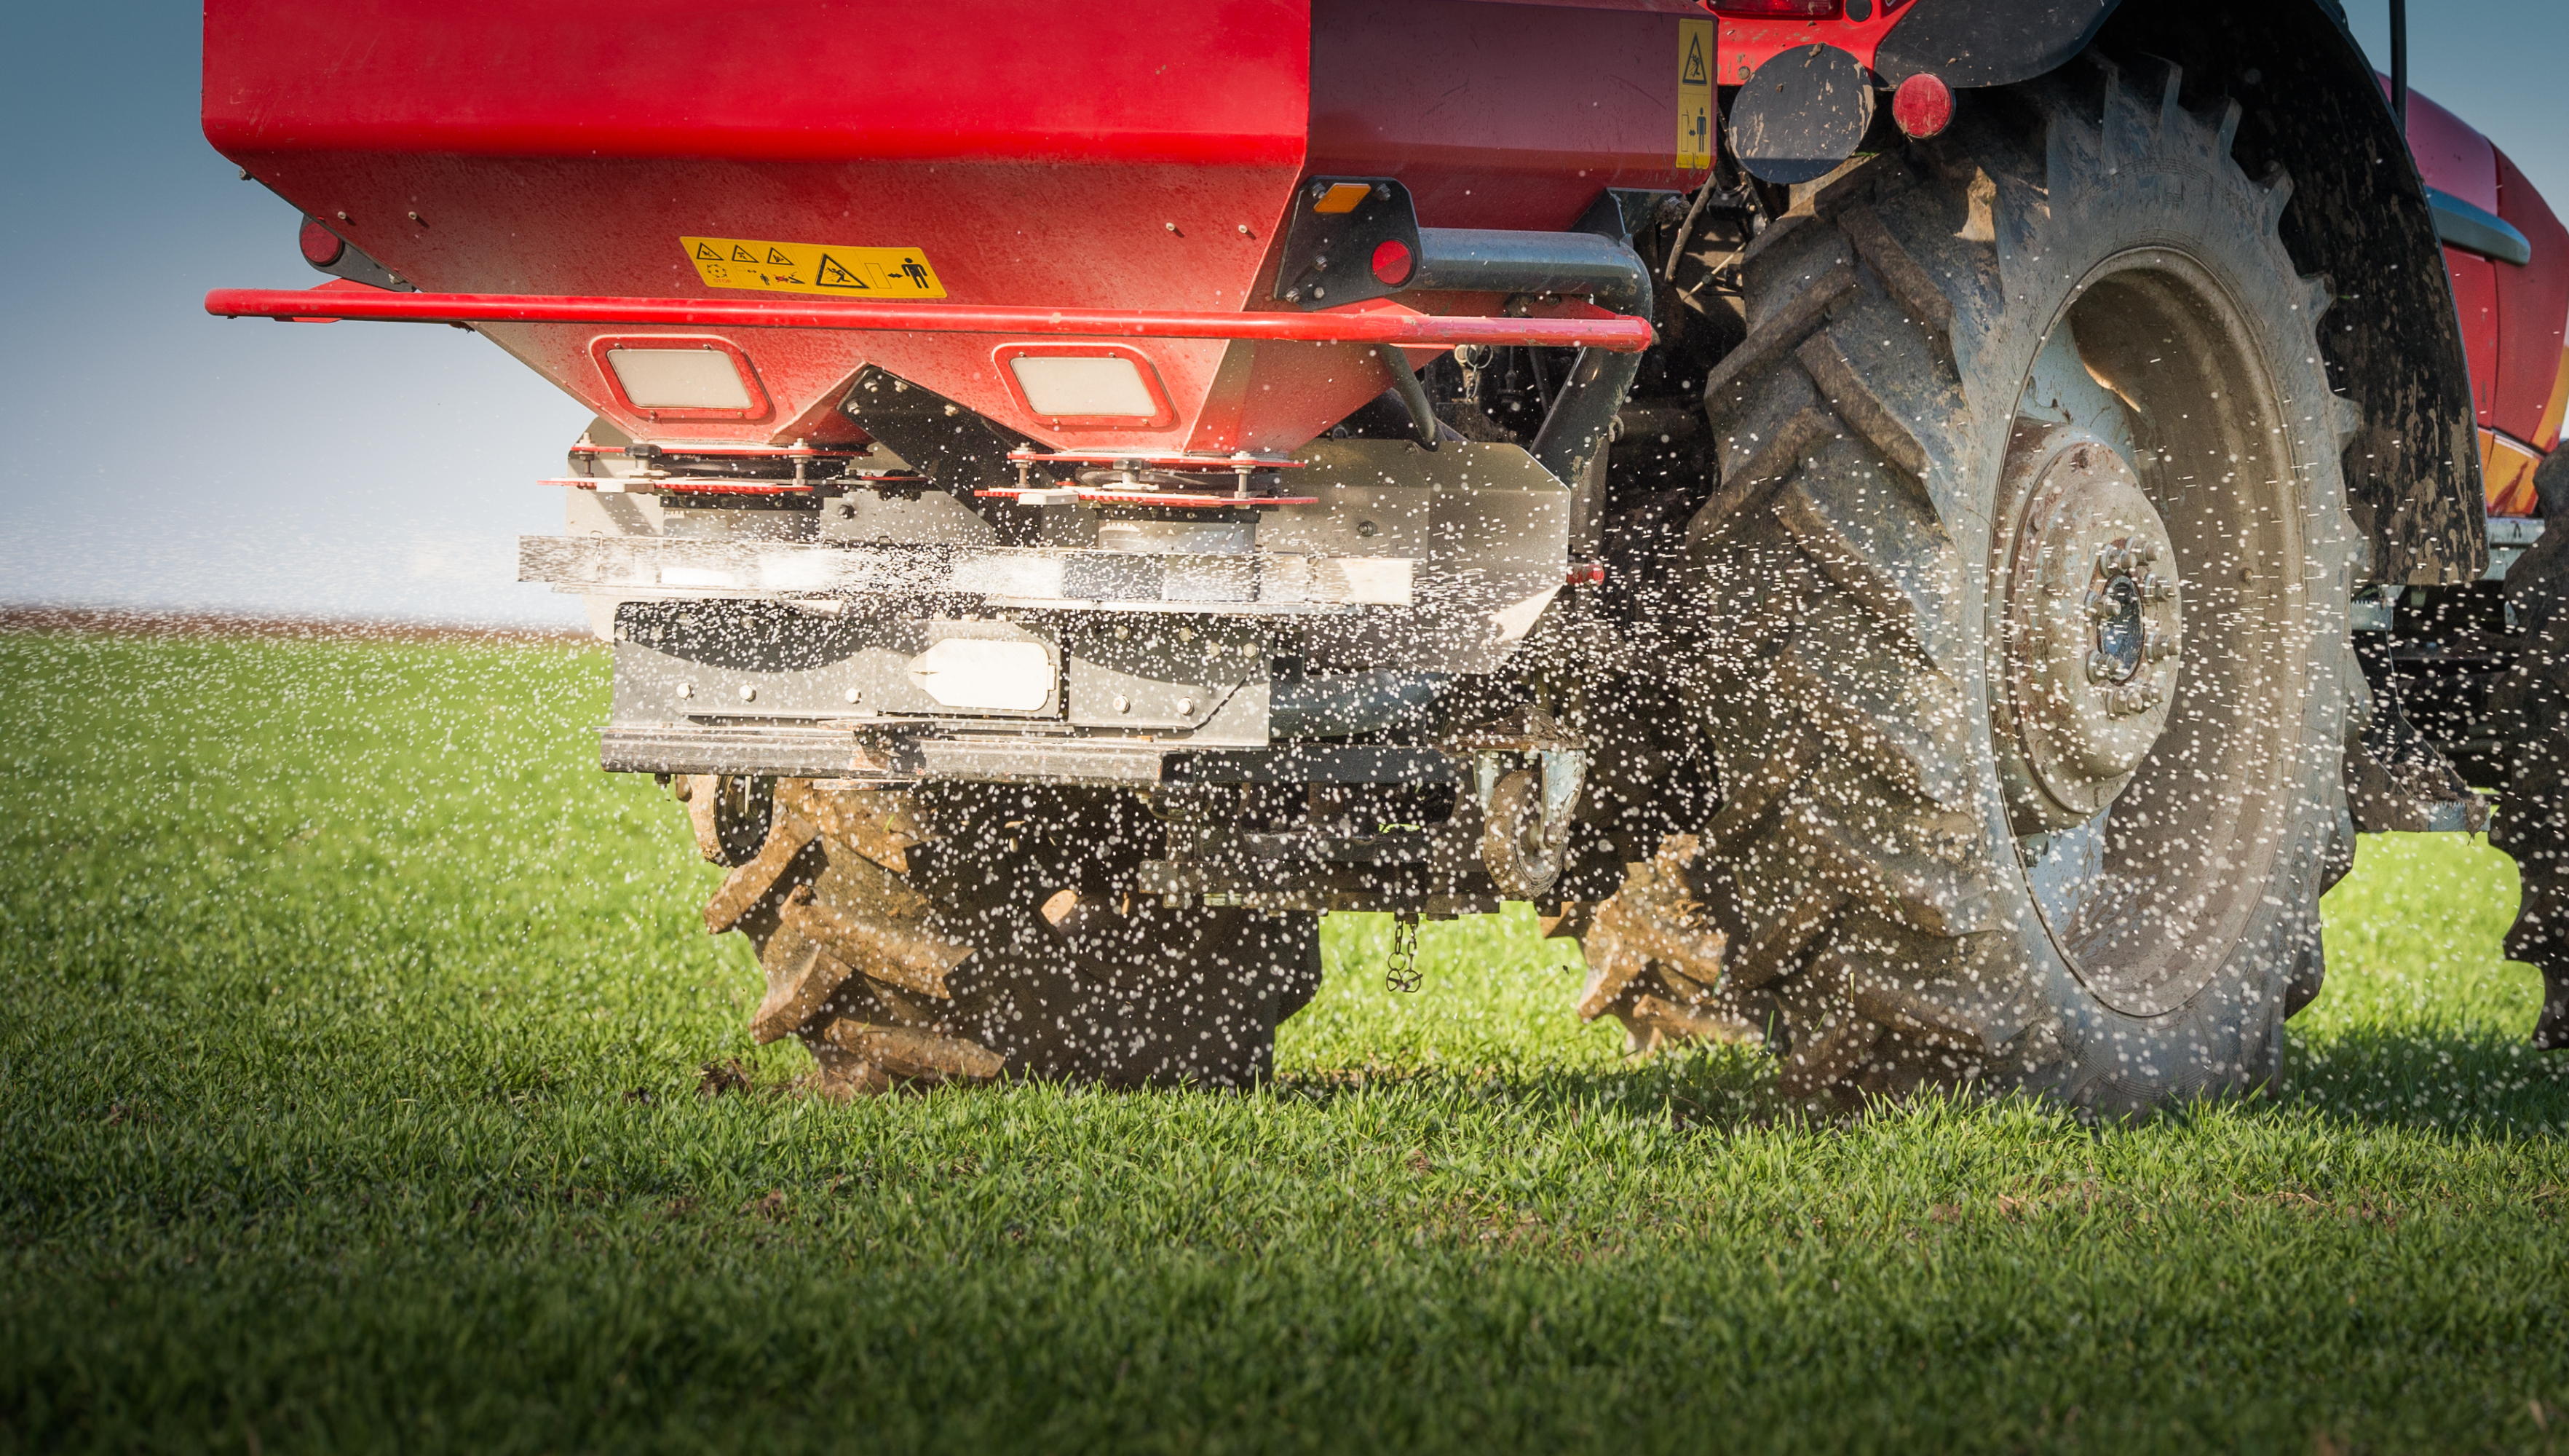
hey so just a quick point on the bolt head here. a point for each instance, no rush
(1123, 705)
(854, 694)
(686, 690)
(748, 694)
(1186, 706)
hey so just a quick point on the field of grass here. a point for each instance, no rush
(349, 1027)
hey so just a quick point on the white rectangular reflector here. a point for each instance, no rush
(1066, 386)
(985, 672)
(679, 379)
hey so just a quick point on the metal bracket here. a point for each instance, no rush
(1328, 255)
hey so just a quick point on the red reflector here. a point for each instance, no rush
(1392, 262)
(1923, 105)
(1776, 9)
(321, 246)
(1584, 573)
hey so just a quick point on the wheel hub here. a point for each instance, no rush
(2093, 631)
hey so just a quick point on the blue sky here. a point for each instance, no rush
(159, 458)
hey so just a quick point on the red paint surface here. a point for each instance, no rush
(1746, 44)
(1777, 9)
(2450, 155)
(2475, 301)
(2512, 316)
(1135, 157)
(1136, 160)
(2533, 308)
(1497, 114)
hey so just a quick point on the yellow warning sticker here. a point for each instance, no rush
(1695, 96)
(827, 269)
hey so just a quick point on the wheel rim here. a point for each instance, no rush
(2148, 505)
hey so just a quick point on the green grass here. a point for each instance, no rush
(348, 1030)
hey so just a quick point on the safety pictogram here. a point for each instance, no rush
(829, 270)
(1696, 113)
(834, 274)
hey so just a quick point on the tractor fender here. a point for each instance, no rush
(1966, 43)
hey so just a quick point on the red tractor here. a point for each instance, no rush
(1919, 529)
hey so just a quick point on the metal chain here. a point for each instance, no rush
(1473, 359)
(1400, 972)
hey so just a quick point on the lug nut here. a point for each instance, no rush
(2099, 667)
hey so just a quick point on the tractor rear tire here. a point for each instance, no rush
(2022, 598)
(916, 937)
(2532, 819)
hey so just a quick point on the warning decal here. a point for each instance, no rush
(1695, 114)
(827, 269)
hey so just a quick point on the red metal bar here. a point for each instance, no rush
(1614, 333)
